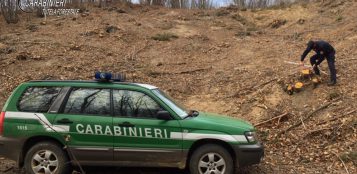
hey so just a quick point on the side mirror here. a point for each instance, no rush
(163, 115)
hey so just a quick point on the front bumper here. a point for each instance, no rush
(249, 154)
(10, 147)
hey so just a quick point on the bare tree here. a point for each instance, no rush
(102, 3)
(9, 9)
(240, 3)
(158, 2)
(261, 3)
(154, 2)
(125, 1)
(201, 4)
(179, 3)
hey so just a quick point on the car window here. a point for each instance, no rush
(134, 104)
(38, 99)
(88, 101)
(178, 108)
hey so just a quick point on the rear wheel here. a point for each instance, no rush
(211, 159)
(46, 158)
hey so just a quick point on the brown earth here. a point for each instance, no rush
(225, 61)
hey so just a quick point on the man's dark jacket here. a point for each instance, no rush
(320, 47)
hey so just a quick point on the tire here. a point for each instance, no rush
(210, 157)
(44, 157)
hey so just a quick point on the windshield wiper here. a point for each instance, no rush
(192, 113)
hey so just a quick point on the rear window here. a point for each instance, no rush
(88, 101)
(38, 99)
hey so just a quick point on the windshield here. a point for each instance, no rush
(176, 107)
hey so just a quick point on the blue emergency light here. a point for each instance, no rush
(107, 76)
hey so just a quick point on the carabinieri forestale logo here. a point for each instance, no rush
(49, 7)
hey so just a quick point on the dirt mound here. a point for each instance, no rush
(226, 61)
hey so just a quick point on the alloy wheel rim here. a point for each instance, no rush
(211, 163)
(44, 162)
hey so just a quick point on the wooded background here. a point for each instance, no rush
(10, 8)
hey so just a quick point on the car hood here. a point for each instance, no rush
(221, 123)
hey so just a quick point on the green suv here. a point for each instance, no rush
(48, 126)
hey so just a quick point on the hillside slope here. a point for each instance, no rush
(225, 61)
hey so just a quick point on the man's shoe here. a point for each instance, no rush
(332, 83)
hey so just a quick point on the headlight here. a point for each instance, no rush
(251, 136)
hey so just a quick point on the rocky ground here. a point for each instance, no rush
(228, 61)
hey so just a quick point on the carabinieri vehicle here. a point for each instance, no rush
(48, 125)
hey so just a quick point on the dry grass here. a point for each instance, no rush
(164, 37)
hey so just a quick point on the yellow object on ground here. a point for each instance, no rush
(306, 72)
(290, 87)
(315, 80)
(298, 85)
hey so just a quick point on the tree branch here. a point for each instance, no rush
(308, 116)
(266, 121)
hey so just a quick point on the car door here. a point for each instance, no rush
(138, 135)
(87, 112)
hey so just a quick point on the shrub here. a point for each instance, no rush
(164, 37)
(222, 13)
(333, 95)
(350, 157)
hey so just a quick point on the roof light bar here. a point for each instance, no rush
(107, 76)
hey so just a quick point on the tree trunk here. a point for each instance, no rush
(9, 11)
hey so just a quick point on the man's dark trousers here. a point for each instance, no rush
(318, 58)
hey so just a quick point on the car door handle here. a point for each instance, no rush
(65, 121)
(126, 124)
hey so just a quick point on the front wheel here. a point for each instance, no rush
(46, 158)
(211, 159)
